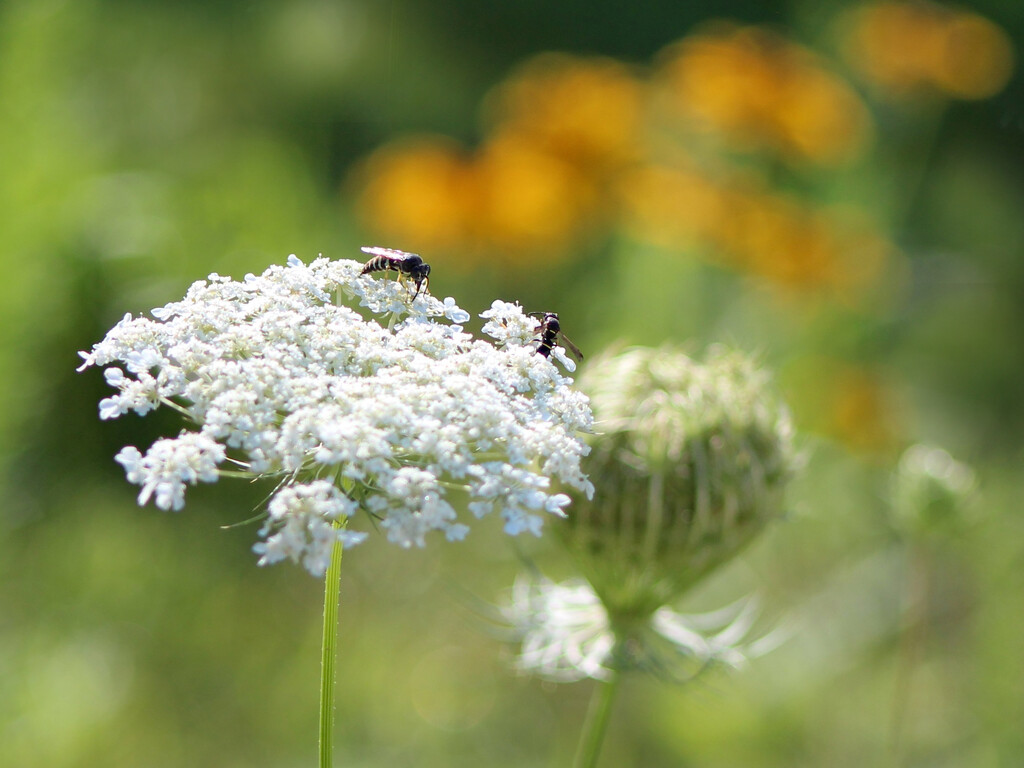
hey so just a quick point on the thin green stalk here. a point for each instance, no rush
(911, 640)
(332, 592)
(596, 725)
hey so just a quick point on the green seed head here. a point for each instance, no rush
(689, 462)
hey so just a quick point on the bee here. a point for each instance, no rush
(549, 330)
(398, 261)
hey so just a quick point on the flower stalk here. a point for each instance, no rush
(329, 652)
(596, 725)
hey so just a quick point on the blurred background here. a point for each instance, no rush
(835, 187)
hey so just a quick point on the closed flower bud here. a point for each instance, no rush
(930, 489)
(689, 462)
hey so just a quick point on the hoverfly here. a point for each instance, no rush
(549, 332)
(398, 261)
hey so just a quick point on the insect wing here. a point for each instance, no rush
(387, 253)
(573, 349)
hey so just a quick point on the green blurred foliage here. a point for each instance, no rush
(144, 145)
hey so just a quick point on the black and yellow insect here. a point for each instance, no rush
(550, 333)
(398, 261)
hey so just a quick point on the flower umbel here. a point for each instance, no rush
(690, 462)
(566, 635)
(690, 459)
(278, 378)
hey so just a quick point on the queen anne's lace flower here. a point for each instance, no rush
(408, 421)
(692, 461)
(566, 635)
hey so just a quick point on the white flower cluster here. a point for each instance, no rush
(279, 379)
(565, 635)
(508, 325)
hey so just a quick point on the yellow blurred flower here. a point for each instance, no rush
(862, 414)
(530, 202)
(799, 245)
(673, 207)
(759, 91)
(562, 126)
(845, 400)
(587, 111)
(910, 47)
(572, 150)
(418, 194)
(510, 197)
(740, 223)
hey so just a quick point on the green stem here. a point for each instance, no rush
(597, 723)
(332, 592)
(912, 638)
